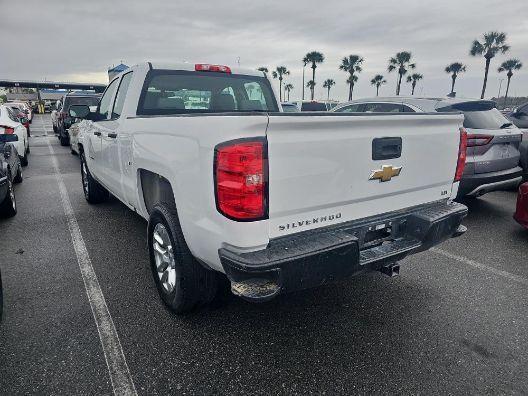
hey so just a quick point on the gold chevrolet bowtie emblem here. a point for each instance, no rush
(386, 173)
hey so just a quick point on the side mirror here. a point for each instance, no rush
(4, 138)
(79, 111)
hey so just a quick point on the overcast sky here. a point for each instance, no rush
(79, 40)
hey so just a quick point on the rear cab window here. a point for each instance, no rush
(79, 100)
(313, 106)
(168, 92)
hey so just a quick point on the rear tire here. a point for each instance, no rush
(24, 160)
(183, 284)
(18, 177)
(64, 140)
(93, 191)
(8, 206)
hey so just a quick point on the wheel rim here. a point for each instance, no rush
(164, 257)
(84, 175)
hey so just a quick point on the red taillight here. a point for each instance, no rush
(8, 130)
(475, 139)
(241, 186)
(211, 68)
(462, 148)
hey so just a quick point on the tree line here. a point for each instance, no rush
(491, 45)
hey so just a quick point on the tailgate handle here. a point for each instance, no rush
(386, 148)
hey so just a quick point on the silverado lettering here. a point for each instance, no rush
(315, 220)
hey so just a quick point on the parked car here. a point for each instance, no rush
(277, 202)
(54, 114)
(493, 155)
(10, 173)
(10, 125)
(521, 210)
(288, 107)
(74, 137)
(26, 107)
(47, 106)
(20, 115)
(519, 117)
(311, 105)
(64, 121)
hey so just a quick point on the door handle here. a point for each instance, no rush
(97, 133)
(112, 135)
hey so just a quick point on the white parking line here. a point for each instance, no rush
(120, 377)
(480, 266)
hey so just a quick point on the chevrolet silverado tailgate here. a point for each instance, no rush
(326, 169)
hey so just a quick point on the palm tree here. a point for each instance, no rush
(279, 73)
(414, 78)
(402, 63)
(510, 65)
(494, 42)
(328, 83)
(288, 88)
(263, 69)
(455, 69)
(311, 84)
(351, 64)
(314, 58)
(305, 62)
(351, 80)
(378, 81)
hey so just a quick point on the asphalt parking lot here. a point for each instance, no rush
(454, 321)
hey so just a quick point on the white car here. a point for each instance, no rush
(27, 109)
(277, 202)
(8, 125)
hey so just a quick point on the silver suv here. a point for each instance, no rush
(493, 141)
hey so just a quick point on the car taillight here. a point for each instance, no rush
(211, 68)
(462, 148)
(241, 179)
(475, 139)
(8, 130)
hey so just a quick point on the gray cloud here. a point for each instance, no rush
(81, 39)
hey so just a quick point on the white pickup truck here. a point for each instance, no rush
(276, 201)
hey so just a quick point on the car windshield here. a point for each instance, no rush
(313, 106)
(183, 92)
(489, 119)
(80, 100)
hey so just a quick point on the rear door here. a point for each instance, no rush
(110, 139)
(326, 169)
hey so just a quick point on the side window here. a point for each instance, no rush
(121, 94)
(383, 107)
(105, 105)
(255, 96)
(407, 109)
(349, 109)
